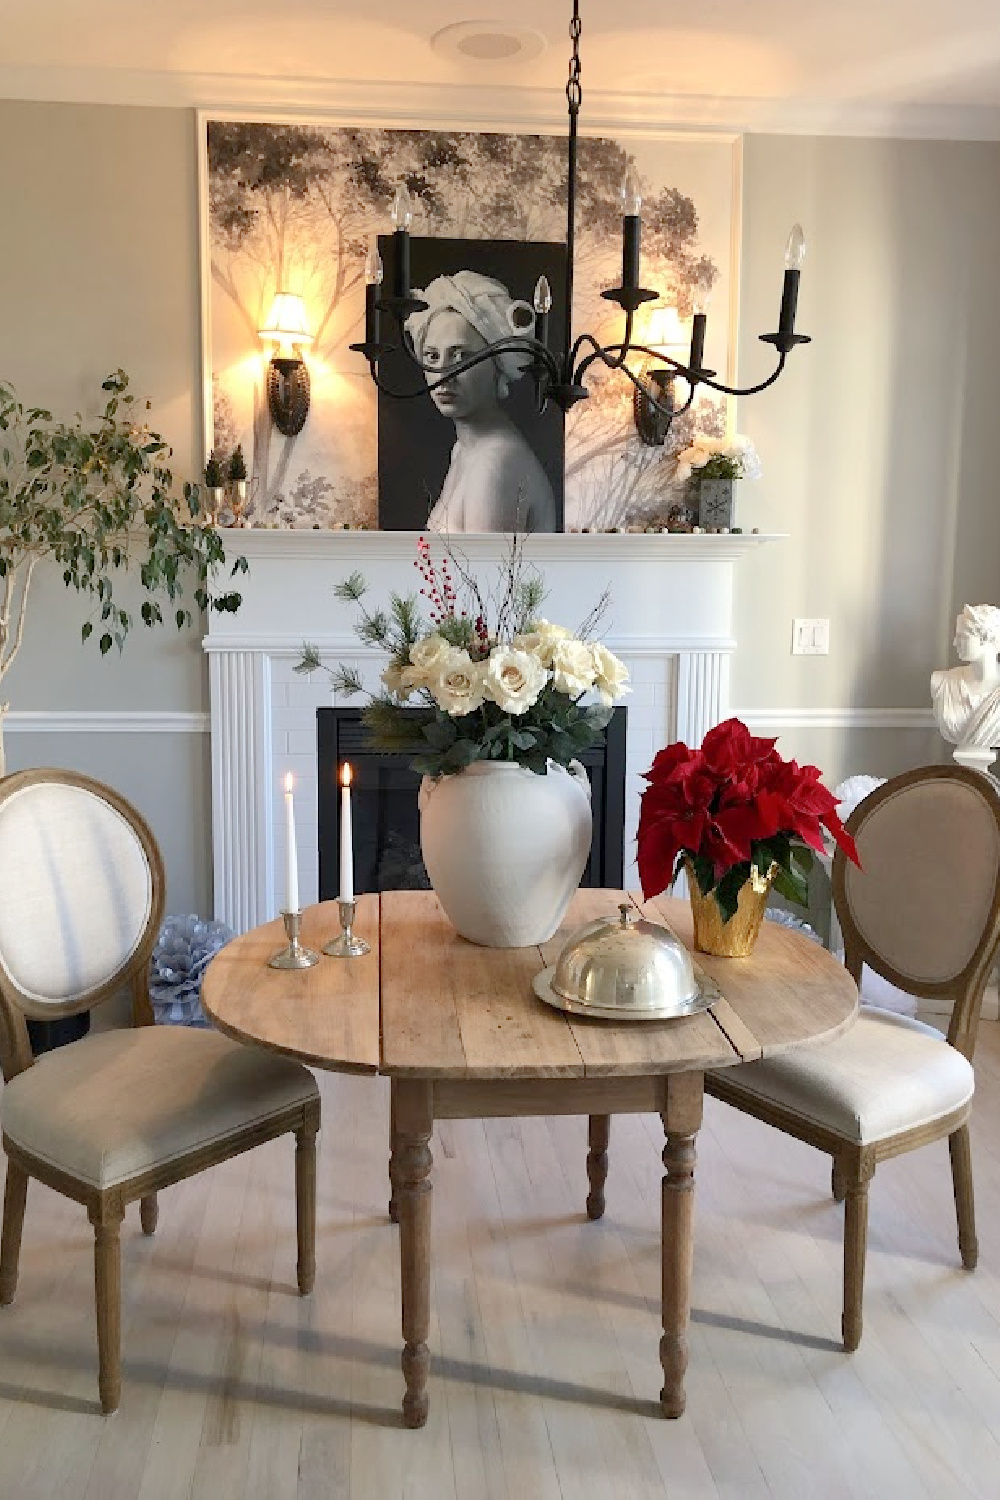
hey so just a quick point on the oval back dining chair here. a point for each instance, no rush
(120, 1114)
(924, 912)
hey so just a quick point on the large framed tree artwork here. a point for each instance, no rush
(292, 207)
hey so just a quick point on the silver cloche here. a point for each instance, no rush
(625, 968)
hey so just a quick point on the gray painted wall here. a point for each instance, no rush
(878, 447)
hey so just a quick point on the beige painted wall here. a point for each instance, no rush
(99, 268)
(878, 446)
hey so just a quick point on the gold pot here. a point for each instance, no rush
(735, 938)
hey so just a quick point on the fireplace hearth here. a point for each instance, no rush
(387, 822)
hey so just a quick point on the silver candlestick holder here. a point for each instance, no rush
(348, 945)
(294, 956)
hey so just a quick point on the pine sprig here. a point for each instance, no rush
(310, 660)
(346, 681)
(350, 590)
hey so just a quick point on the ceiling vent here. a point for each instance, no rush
(488, 42)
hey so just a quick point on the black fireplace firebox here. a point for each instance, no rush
(387, 823)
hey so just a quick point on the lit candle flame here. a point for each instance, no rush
(345, 773)
(289, 781)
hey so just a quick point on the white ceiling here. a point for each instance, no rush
(900, 66)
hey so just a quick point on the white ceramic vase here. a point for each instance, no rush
(505, 849)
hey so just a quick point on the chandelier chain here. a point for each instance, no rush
(574, 92)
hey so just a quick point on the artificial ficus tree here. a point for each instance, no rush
(95, 498)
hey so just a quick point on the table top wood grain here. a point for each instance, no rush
(425, 1003)
(327, 1015)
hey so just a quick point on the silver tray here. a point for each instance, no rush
(708, 993)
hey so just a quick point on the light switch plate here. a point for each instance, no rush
(810, 637)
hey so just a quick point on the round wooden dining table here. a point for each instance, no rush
(462, 1035)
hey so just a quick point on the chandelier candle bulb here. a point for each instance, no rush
(631, 230)
(697, 355)
(346, 836)
(402, 218)
(374, 272)
(291, 851)
(795, 251)
(542, 302)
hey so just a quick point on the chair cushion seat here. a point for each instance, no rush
(115, 1105)
(887, 1074)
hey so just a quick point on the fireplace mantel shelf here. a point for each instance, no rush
(260, 542)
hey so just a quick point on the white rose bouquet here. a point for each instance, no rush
(466, 687)
(717, 458)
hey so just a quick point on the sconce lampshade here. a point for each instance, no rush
(663, 331)
(288, 387)
(286, 324)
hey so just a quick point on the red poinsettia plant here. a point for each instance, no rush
(733, 810)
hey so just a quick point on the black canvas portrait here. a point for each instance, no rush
(478, 455)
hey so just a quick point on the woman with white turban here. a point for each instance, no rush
(494, 481)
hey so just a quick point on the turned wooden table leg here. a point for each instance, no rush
(393, 1202)
(599, 1134)
(681, 1121)
(412, 1180)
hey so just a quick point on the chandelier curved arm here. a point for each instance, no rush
(676, 366)
(606, 356)
(387, 390)
(625, 347)
(515, 344)
(744, 390)
(619, 351)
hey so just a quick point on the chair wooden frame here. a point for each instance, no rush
(853, 1164)
(106, 1207)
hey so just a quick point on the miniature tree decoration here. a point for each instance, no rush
(213, 474)
(96, 498)
(237, 466)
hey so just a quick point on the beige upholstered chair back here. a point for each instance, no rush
(924, 910)
(81, 893)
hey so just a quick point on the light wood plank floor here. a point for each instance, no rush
(545, 1328)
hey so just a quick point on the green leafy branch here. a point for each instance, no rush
(97, 499)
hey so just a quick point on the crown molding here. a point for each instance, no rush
(471, 106)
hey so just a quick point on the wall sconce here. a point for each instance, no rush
(663, 331)
(287, 376)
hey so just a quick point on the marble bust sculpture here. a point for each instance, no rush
(966, 699)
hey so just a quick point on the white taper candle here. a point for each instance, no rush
(346, 836)
(291, 852)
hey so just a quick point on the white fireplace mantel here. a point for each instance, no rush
(670, 618)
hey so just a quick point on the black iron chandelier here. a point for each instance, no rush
(559, 375)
